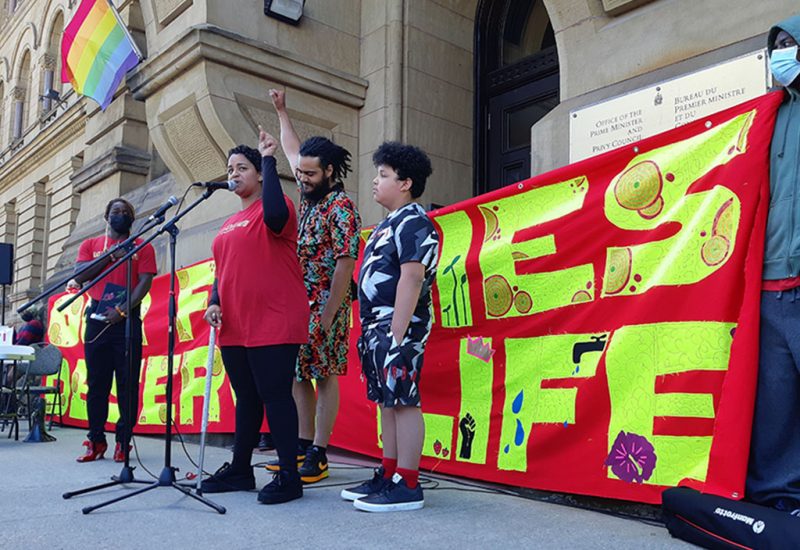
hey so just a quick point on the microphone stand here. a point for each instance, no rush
(151, 223)
(167, 476)
(126, 475)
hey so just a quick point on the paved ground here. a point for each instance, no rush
(33, 514)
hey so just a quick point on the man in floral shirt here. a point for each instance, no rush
(327, 245)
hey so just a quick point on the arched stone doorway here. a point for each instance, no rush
(516, 84)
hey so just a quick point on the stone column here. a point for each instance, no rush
(64, 206)
(116, 159)
(18, 98)
(381, 119)
(8, 229)
(8, 222)
(29, 253)
(48, 64)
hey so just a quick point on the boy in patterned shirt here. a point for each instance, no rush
(397, 273)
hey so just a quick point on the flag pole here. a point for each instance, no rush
(125, 28)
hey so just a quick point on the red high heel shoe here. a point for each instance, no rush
(94, 451)
(119, 454)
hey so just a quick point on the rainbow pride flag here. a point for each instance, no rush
(96, 51)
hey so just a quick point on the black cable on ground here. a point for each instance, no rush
(474, 487)
(139, 459)
(430, 482)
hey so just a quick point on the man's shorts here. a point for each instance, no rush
(325, 354)
(392, 371)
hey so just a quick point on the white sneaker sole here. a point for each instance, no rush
(397, 507)
(349, 495)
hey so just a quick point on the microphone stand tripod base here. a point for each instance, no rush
(167, 476)
(126, 476)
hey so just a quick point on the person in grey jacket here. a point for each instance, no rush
(773, 477)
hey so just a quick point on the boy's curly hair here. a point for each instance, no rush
(408, 161)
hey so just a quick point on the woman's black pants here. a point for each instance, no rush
(262, 378)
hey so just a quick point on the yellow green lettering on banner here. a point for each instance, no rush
(636, 356)
(193, 384)
(507, 294)
(190, 301)
(153, 412)
(474, 418)
(144, 309)
(113, 411)
(697, 405)
(78, 388)
(65, 390)
(66, 327)
(652, 191)
(529, 361)
(451, 276)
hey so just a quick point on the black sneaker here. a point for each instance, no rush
(226, 479)
(265, 442)
(395, 497)
(285, 486)
(369, 487)
(315, 465)
(275, 464)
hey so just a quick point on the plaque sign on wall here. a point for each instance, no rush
(626, 119)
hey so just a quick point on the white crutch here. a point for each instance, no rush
(212, 340)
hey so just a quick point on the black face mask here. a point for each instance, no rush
(121, 223)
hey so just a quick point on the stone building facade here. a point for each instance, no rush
(428, 72)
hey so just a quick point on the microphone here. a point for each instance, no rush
(172, 201)
(229, 185)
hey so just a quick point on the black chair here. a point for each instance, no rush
(14, 364)
(47, 363)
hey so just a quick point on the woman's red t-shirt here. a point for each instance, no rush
(144, 261)
(259, 281)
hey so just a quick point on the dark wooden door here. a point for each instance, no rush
(516, 84)
(510, 117)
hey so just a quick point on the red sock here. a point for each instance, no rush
(389, 467)
(411, 477)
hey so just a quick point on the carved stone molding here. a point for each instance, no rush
(48, 62)
(213, 44)
(167, 10)
(193, 145)
(18, 93)
(615, 7)
(192, 125)
(118, 159)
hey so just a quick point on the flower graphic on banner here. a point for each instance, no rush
(632, 458)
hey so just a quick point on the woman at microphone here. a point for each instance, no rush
(259, 289)
(104, 337)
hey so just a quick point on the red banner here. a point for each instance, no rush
(596, 327)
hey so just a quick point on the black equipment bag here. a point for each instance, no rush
(715, 522)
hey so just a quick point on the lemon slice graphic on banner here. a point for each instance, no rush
(523, 302)
(618, 270)
(724, 221)
(498, 295)
(492, 223)
(639, 186)
(715, 250)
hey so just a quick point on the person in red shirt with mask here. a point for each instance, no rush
(104, 340)
(259, 287)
